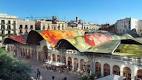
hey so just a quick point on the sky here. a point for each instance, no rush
(96, 11)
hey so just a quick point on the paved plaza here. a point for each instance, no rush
(47, 74)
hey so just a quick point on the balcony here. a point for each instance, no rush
(126, 60)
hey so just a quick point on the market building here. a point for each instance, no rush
(96, 52)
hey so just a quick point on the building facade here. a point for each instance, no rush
(126, 25)
(12, 25)
(52, 24)
(24, 26)
(108, 27)
(7, 25)
(139, 29)
(79, 24)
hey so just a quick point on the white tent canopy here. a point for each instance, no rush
(55, 63)
(112, 77)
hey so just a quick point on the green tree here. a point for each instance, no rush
(88, 77)
(84, 78)
(12, 69)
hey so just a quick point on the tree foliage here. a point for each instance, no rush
(12, 69)
(88, 77)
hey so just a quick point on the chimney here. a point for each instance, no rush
(76, 19)
(54, 20)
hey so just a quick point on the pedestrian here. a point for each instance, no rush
(53, 77)
(38, 74)
(65, 78)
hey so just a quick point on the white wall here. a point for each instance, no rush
(134, 23)
(120, 63)
(122, 25)
(139, 29)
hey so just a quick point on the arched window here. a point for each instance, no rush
(82, 64)
(45, 51)
(116, 70)
(53, 57)
(58, 58)
(139, 74)
(64, 59)
(75, 64)
(98, 69)
(106, 69)
(69, 63)
(127, 73)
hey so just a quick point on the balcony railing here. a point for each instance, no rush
(133, 61)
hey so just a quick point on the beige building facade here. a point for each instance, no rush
(24, 26)
(7, 24)
(12, 25)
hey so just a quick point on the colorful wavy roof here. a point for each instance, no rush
(20, 38)
(84, 41)
(53, 36)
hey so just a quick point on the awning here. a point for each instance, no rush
(55, 63)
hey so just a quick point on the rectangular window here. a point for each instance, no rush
(21, 26)
(9, 32)
(14, 25)
(9, 22)
(2, 22)
(62, 27)
(2, 32)
(3, 27)
(43, 28)
(21, 32)
(8, 27)
(31, 26)
(48, 26)
(26, 26)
